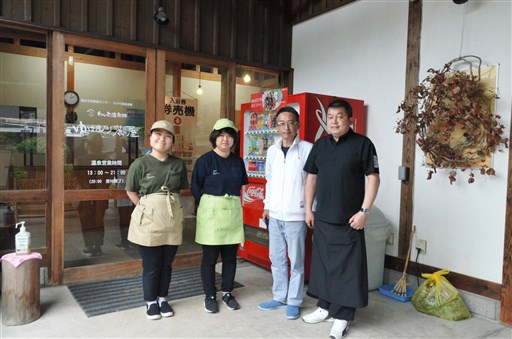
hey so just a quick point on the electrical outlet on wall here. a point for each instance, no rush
(391, 239)
(421, 245)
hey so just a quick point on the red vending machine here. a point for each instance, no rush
(257, 133)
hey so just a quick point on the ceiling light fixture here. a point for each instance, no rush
(161, 17)
(247, 78)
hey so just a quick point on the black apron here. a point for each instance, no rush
(339, 271)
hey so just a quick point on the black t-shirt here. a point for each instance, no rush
(215, 175)
(341, 168)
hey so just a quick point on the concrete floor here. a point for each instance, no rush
(62, 317)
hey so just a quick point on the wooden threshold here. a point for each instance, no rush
(123, 269)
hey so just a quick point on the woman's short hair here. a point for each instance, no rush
(215, 134)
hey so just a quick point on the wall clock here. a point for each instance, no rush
(71, 98)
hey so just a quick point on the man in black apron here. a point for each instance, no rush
(338, 166)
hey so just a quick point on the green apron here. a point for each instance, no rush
(219, 220)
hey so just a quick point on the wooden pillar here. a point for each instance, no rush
(506, 285)
(228, 88)
(409, 140)
(55, 156)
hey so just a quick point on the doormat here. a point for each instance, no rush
(102, 297)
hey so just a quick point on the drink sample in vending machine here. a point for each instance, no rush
(253, 120)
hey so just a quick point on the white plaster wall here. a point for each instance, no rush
(361, 53)
(464, 224)
(357, 51)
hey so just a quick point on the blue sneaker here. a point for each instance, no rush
(271, 305)
(292, 312)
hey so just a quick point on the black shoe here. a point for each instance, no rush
(153, 311)
(166, 309)
(230, 301)
(210, 304)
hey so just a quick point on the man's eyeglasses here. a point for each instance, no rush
(290, 124)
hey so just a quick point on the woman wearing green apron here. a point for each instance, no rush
(153, 185)
(217, 178)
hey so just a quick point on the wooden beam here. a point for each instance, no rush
(228, 87)
(84, 22)
(215, 28)
(197, 59)
(506, 287)
(23, 50)
(55, 156)
(197, 26)
(104, 44)
(233, 31)
(250, 31)
(409, 139)
(266, 37)
(23, 195)
(133, 19)
(176, 79)
(160, 85)
(176, 28)
(70, 71)
(150, 92)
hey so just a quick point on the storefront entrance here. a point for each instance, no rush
(74, 114)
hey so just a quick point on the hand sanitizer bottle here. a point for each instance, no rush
(22, 239)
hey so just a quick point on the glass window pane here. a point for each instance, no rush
(249, 82)
(104, 135)
(22, 134)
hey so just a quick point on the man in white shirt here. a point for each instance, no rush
(285, 210)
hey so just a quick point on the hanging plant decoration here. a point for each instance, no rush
(451, 114)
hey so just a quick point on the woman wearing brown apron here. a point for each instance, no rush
(153, 184)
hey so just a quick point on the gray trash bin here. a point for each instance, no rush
(376, 230)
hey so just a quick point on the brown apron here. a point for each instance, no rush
(157, 220)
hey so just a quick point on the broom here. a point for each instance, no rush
(401, 286)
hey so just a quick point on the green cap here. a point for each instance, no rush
(163, 124)
(224, 123)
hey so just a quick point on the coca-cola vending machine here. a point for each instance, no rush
(257, 134)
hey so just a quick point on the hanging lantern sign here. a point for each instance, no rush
(181, 112)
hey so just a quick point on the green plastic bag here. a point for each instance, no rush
(437, 297)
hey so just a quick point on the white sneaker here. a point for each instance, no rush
(317, 316)
(339, 329)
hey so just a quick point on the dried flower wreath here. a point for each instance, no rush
(454, 122)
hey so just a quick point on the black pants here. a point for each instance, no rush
(337, 311)
(156, 270)
(210, 255)
(92, 215)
